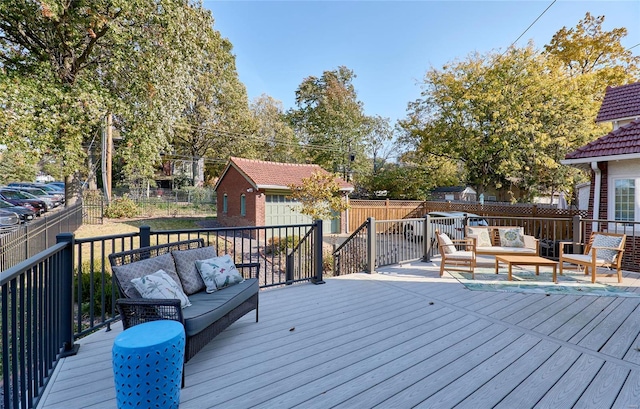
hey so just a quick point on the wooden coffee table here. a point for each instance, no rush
(527, 261)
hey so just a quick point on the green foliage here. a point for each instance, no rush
(320, 196)
(67, 64)
(327, 263)
(510, 118)
(279, 245)
(329, 117)
(17, 166)
(121, 207)
(95, 283)
(278, 141)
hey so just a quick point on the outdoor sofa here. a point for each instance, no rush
(209, 313)
(502, 240)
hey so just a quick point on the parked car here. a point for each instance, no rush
(53, 190)
(26, 212)
(19, 198)
(8, 219)
(52, 201)
(450, 223)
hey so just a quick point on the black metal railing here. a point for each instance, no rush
(66, 291)
(36, 326)
(36, 236)
(285, 254)
(354, 255)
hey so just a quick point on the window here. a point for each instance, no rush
(224, 203)
(624, 200)
(243, 205)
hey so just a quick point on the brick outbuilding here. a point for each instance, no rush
(256, 193)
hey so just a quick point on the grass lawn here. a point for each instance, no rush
(121, 226)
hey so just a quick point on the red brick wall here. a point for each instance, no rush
(234, 185)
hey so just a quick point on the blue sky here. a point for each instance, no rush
(388, 44)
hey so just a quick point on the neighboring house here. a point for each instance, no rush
(452, 193)
(614, 159)
(179, 170)
(256, 193)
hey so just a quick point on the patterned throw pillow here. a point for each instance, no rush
(600, 240)
(447, 244)
(160, 285)
(482, 236)
(141, 268)
(219, 272)
(511, 237)
(186, 267)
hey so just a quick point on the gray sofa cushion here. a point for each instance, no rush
(142, 268)
(186, 267)
(207, 308)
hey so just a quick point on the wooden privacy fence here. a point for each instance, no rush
(360, 210)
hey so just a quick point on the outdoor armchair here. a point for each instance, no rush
(602, 250)
(451, 255)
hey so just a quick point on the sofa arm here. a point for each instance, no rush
(134, 311)
(246, 269)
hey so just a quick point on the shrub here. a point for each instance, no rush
(121, 207)
(278, 245)
(97, 290)
(327, 263)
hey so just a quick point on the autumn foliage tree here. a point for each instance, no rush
(320, 196)
(509, 118)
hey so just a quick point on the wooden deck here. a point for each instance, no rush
(406, 338)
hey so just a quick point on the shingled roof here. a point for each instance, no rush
(623, 141)
(621, 102)
(276, 175)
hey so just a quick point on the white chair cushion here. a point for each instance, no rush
(460, 255)
(582, 258)
(447, 244)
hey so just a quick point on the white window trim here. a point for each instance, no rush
(611, 206)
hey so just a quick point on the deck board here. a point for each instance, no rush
(402, 339)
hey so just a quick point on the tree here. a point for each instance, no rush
(65, 65)
(320, 196)
(278, 142)
(329, 117)
(508, 118)
(588, 52)
(218, 110)
(17, 166)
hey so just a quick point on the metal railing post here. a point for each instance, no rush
(371, 246)
(66, 330)
(426, 238)
(317, 253)
(289, 269)
(145, 236)
(577, 234)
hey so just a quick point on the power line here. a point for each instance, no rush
(530, 25)
(213, 131)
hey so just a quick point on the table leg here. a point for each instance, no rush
(537, 270)
(496, 266)
(509, 271)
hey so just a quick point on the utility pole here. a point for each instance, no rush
(107, 147)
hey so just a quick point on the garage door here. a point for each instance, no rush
(281, 210)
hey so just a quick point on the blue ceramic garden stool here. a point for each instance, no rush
(147, 365)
